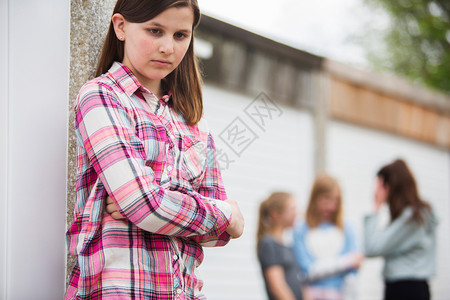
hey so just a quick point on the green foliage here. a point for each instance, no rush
(417, 44)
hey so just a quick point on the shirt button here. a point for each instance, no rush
(169, 168)
(179, 291)
(175, 257)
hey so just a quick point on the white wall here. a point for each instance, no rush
(280, 159)
(34, 57)
(3, 145)
(354, 155)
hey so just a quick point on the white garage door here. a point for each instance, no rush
(354, 155)
(274, 152)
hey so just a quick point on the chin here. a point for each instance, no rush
(156, 76)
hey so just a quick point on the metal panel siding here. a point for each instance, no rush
(355, 155)
(281, 158)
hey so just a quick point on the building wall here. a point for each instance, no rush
(375, 119)
(34, 59)
(280, 159)
(353, 154)
(388, 104)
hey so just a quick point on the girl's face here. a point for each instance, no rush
(381, 191)
(289, 213)
(154, 49)
(327, 206)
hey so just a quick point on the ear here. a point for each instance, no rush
(274, 216)
(119, 23)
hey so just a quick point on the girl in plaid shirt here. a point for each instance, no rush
(149, 188)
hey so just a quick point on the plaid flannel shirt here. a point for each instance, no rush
(164, 177)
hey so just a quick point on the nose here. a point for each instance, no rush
(167, 45)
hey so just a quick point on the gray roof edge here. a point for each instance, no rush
(262, 43)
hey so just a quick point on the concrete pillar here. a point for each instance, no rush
(89, 24)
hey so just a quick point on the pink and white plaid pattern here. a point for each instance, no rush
(164, 177)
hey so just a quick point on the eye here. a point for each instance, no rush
(180, 35)
(155, 31)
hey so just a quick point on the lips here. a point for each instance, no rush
(161, 62)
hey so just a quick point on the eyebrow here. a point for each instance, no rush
(152, 23)
(155, 24)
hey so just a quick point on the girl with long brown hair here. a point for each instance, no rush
(325, 246)
(280, 271)
(408, 243)
(149, 188)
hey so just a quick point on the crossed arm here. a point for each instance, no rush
(106, 130)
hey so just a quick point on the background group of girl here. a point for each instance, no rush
(322, 261)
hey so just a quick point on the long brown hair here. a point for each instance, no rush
(275, 203)
(185, 81)
(323, 184)
(402, 190)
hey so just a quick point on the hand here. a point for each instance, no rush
(112, 209)
(379, 201)
(306, 293)
(381, 193)
(358, 258)
(236, 227)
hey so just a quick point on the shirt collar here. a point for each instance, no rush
(128, 81)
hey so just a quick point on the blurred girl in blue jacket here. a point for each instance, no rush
(408, 243)
(325, 247)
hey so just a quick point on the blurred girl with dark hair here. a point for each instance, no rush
(325, 246)
(281, 273)
(408, 243)
(149, 188)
